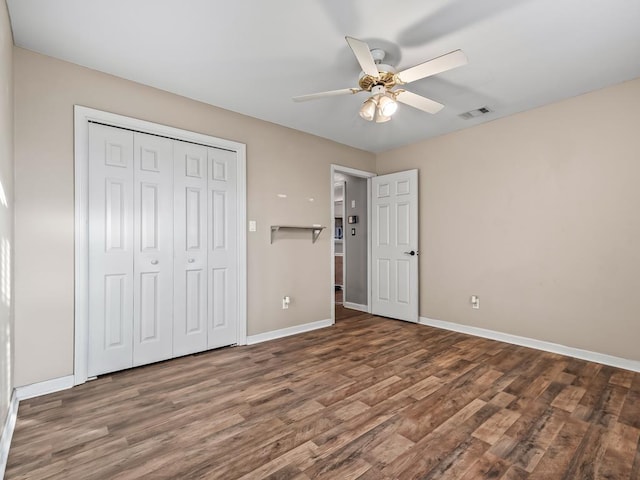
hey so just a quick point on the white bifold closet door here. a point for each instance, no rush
(190, 242)
(162, 248)
(152, 248)
(110, 249)
(223, 248)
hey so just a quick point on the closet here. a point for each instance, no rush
(162, 248)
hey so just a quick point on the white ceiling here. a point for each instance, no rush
(252, 56)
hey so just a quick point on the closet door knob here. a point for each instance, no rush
(191, 260)
(154, 262)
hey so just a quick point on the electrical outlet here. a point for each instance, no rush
(252, 226)
(286, 300)
(475, 301)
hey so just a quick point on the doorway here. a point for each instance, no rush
(350, 248)
(389, 279)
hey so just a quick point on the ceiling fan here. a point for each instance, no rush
(380, 80)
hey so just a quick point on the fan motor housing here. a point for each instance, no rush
(386, 77)
(367, 82)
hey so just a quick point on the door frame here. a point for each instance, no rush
(356, 173)
(82, 117)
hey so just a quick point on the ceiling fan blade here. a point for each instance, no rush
(448, 61)
(419, 102)
(331, 93)
(363, 54)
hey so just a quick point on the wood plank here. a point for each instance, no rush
(568, 398)
(487, 466)
(630, 413)
(617, 461)
(494, 428)
(558, 456)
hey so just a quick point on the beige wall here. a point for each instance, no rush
(6, 210)
(538, 215)
(279, 160)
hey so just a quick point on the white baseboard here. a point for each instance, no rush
(356, 306)
(7, 432)
(285, 332)
(43, 388)
(627, 364)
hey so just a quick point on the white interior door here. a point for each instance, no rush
(394, 246)
(110, 249)
(153, 249)
(190, 244)
(223, 248)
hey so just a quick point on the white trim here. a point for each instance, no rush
(590, 356)
(44, 388)
(356, 306)
(82, 116)
(241, 235)
(81, 249)
(369, 245)
(332, 248)
(7, 432)
(352, 171)
(285, 332)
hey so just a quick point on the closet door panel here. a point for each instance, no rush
(190, 242)
(222, 255)
(110, 249)
(153, 249)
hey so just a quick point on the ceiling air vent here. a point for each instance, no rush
(478, 112)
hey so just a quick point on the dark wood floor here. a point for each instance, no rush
(343, 313)
(369, 398)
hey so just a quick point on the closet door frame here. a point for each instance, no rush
(82, 117)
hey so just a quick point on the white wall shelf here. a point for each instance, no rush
(315, 231)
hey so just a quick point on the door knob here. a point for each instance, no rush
(412, 253)
(154, 262)
(191, 260)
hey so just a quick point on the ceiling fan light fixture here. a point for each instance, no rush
(368, 109)
(387, 105)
